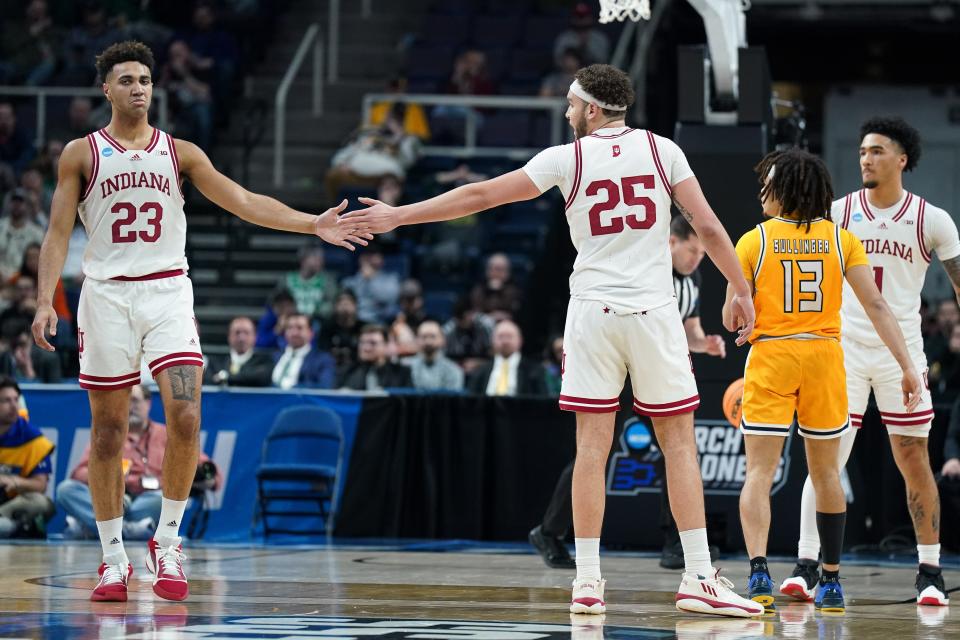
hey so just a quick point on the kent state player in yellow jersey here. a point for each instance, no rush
(796, 261)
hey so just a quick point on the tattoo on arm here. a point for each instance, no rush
(183, 382)
(686, 212)
(952, 267)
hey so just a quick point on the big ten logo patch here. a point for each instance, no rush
(637, 467)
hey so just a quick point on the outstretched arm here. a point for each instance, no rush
(259, 209)
(457, 203)
(693, 205)
(864, 286)
(53, 252)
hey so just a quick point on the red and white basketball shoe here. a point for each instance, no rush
(715, 596)
(166, 565)
(112, 586)
(588, 596)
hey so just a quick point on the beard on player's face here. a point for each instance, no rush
(870, 184)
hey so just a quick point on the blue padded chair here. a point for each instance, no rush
(301, 462)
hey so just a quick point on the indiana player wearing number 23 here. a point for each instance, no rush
(137, 302)
(623, 317)
(797, 261)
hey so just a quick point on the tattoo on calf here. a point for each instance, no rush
(907, 442)
(183, 382)
(935, 518)
(916, 508)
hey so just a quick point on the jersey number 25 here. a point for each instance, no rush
(627, 188)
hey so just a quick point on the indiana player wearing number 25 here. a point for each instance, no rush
(623, 316)
(797, 261)
(137, 302)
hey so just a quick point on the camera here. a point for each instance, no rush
(205, 471)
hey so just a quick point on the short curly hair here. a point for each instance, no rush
(897, 129)
(608, 84)
(120, 52)
(800, 181)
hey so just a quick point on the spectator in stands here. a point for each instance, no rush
(372, 154)
(510, 374)
(244, 366)
(470, 75)
(944, 375)
(430, 369)
(29, 268)
(23, 306)
(403, 330)
(373, 370)
(143, 476)
(583, 36)
(16, 145)
(412, 117)
(29, 363)
(47, 163)
(497, 296)
(29, 47)
(79, 122)
(191, 97)
(949, 482)
(17, 232)
(557, 83)
(271, 325)
(26, 468)
(468, 334)
(553, 365)
(31, 180)
(340, 335)
(300, 364)
(313, 289)
(377, 291)
(946, 316)
(84, 42)
(215, 51)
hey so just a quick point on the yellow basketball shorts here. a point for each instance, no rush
(794, 376)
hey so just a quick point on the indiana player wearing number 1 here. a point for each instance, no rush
(899, 231)
(137, 302)
(623, 315)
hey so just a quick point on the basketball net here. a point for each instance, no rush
(620, 10)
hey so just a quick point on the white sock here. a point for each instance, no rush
(111, 539)
(696, 552)
(588, 558)
(171, 514)
(929, 554)
(809, 547)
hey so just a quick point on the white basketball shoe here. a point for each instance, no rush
(588, 596)
(714, 595)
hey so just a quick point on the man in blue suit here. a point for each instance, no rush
(300, 364)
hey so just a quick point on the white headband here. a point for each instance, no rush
(577, 89)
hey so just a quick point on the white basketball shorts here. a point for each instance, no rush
(601, 345)
(121, 323)
(875, 368)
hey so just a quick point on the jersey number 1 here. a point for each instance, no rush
(626, 186)
(130, 216)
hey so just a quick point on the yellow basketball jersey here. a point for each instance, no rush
(798, 275)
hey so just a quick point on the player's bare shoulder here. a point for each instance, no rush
(76, 160)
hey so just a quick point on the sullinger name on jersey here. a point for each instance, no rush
(792, 245)
(888, 247)
(134, 180)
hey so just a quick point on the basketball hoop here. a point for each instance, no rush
(620, 10)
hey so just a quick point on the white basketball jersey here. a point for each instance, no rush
(132, 209)
(617, 184)
(898, 242)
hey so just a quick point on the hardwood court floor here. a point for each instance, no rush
(451, 591)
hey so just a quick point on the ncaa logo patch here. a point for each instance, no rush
(107, 152)
(857, 217)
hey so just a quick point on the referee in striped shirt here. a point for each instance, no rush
(686, 251)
